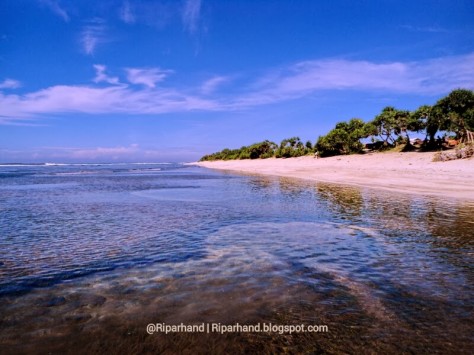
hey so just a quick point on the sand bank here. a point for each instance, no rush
(401, 172)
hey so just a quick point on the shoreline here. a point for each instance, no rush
(410, 172)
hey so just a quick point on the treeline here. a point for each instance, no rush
(453, 113)
(291, 147)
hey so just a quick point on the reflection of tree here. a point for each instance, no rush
(292, 187)
(434, 229)
(430, 221)
(347, 201)
(263, 183)
(394, 212)
(288, 187)
(451, 225)
(450, 233)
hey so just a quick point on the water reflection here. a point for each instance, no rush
(387, 274)
(346, 201)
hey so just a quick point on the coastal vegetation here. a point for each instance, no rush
(345, 138)
(288, 148)
(452, 116)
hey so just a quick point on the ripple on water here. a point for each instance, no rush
(385, 277)
(259, 272)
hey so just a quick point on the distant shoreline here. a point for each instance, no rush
(413, 172)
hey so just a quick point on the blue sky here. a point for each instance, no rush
(162, 80)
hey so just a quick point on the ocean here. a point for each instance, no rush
(138, 258)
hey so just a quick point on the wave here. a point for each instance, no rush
(77, 164)
(9, 165)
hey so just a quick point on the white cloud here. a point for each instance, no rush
(212, 84)
(102, 77)
(160, 14)
(429, 77)
(126, 13)
(64, 99)
(10, 84)
(93, 34)
(428, 29)
(83, 154)
(114, 153)
(121, 153)
(56, 8)
(191, 15)
(146, 76)
(157, 14)
(435, 77)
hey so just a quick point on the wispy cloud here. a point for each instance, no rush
(429, 77)
(152, 13)
(191, 15)
(117, 99)
(83, 154)
(146, 76)
(159, 14)
(209, 86)
(10, 84)
(428, 29)
(114, 153)
(102, 77)
(121, 153)
(56, 8)
(433, 77)
(93, 34)
(126, 13)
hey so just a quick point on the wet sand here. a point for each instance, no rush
(400, 172)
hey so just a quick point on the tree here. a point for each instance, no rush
(458, 110)
(431, 119)
(344, 138)
(406, 122)
(262, 150)
(391, 124)
(265, 149)
(454, 112)
(385, 124)
(291, 147)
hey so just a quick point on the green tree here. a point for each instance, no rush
(458, 110)
(431, 119)
(455, 113)
(393, 125)
(386, 125)
(406, 122)
(290, 147)
(265, 149)
(344, 138)
(262, 150)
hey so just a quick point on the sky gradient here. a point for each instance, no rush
(162, 80)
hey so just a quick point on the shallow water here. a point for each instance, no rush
(90, 254)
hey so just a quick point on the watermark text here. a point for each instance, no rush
(219, 328)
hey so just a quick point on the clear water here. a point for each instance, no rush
(90, 254)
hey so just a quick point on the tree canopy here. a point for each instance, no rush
(344, 138)
(457, 110)
(290, 147)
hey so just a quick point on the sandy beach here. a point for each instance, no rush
(402, 172)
